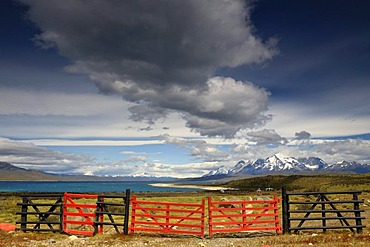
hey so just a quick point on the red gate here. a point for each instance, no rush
(84, 210)
(167, 217)
(241, 216)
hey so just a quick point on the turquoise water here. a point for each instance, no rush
(116, 186)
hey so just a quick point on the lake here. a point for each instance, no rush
(84, 186)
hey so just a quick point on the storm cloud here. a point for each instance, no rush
(163, 56)
(302, 135)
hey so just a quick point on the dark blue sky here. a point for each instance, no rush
(323, 45)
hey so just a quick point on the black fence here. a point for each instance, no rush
(41, 212)
(301, 211)
(331, 213)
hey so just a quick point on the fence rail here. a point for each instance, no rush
(80, 214)
(117, 213)
(167, 217)
(331, 213)
(243, 216)
(41, 212)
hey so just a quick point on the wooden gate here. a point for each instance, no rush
(167, 217)
(242, 216)
(331, 213)
(115, 210)
(41, 212)
(79, 217)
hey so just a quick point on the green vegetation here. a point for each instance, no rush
(337, 182)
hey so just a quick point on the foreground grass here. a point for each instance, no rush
(47, 239)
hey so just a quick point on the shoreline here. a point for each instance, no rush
(192, 186)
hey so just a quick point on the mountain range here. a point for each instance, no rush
(279, 163)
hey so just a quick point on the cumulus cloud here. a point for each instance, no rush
(161, 56)
(266, 137)
(302, 135)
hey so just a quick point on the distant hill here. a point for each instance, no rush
(10, 172)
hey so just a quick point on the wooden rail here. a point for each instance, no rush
(41, 212)
(80, 214)
(331, 213)
(243, 216)
(117, 213)
(167, 217)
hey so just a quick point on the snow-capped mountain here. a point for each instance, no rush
(222, 170)
(237, 168)
(313, 163)
(349, 166)
(280, 163)
(142, 174)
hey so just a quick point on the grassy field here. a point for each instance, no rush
(333, 182)
(8, 209)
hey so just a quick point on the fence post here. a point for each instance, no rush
(133, 213)
(210, 216)
(64, 211)
(167, 217)
(127, 211)
(61, 213)
(323, 214)
(276, 213)
(98, 215)
(203, 208)
(244, 216)
(24, 213)
(356, 206)
(286, 214)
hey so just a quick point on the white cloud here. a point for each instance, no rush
(199, 149)
(320, 121)
(50, 115)
(350, 150)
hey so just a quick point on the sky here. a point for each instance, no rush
(179, 88)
